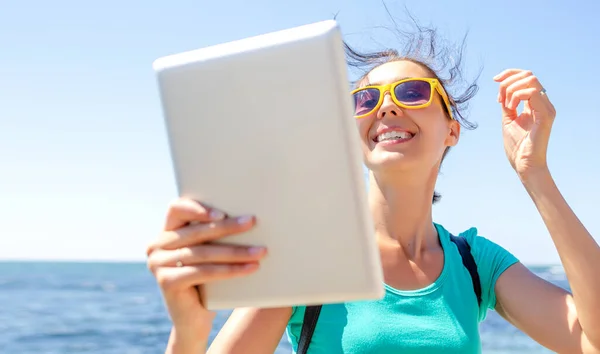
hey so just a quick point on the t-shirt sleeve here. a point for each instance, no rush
(492, 260)
(294, 326)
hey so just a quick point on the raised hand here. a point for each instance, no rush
(526, 135)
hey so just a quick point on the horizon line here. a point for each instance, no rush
(141, 261)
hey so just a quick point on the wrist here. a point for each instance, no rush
(534, 176)
(188, 340)
(538, 182)
(190, 337)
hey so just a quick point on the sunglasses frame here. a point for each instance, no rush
(391, 87)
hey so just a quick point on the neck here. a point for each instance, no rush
(402, 213)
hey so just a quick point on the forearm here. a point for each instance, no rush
(187, 341)
(578, 251)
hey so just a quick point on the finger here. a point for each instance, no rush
(506, 73)
(520, 95)
(510, 80)
(173, 278)
(183, 211)
(201, 233)
(526, 82)
(205, 254)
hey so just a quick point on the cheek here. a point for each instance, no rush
(436, 138)
(364, 125)
(434, 127)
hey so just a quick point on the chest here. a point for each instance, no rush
(397, 324)
(400, 273)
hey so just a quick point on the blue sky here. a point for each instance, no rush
(86, 171)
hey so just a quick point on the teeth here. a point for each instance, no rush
(393, 135)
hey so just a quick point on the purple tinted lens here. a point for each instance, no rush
(413, 93)
(365, 101)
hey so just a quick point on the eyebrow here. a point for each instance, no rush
(394, 80)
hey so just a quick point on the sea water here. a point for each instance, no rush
(69, 307)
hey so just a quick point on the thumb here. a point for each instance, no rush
(508, 115)
(540, 125)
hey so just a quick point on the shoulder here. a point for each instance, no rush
(491, 259)
(488, 254)
(484, 250)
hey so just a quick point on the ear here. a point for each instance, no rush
(453, 133)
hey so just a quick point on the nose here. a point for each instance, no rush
(388, 107)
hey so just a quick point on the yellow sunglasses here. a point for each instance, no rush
(411, 93)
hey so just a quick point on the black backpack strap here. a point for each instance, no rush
(469, 263)
(311, 315)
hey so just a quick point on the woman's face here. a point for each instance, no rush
(424, 133)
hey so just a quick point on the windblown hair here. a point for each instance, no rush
(424, 47)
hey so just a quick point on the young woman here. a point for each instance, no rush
(407, 121)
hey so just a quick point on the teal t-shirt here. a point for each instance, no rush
(440, 318)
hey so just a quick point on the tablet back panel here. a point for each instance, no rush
(264, 126)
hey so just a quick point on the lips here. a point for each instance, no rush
(392, 134)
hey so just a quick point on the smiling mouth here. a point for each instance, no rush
(393, 136)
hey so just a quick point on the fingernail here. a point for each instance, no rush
(256, 250)
(250, 266)
(496, 77)
(498, 99)
(244, 219)
(216, 214)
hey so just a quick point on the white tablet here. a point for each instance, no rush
(265, 126)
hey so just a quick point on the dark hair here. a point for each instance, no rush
(423, 47)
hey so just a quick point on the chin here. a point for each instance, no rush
(388, 161)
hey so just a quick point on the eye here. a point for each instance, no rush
(412, 95)
(365, 101)
(413, 92)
